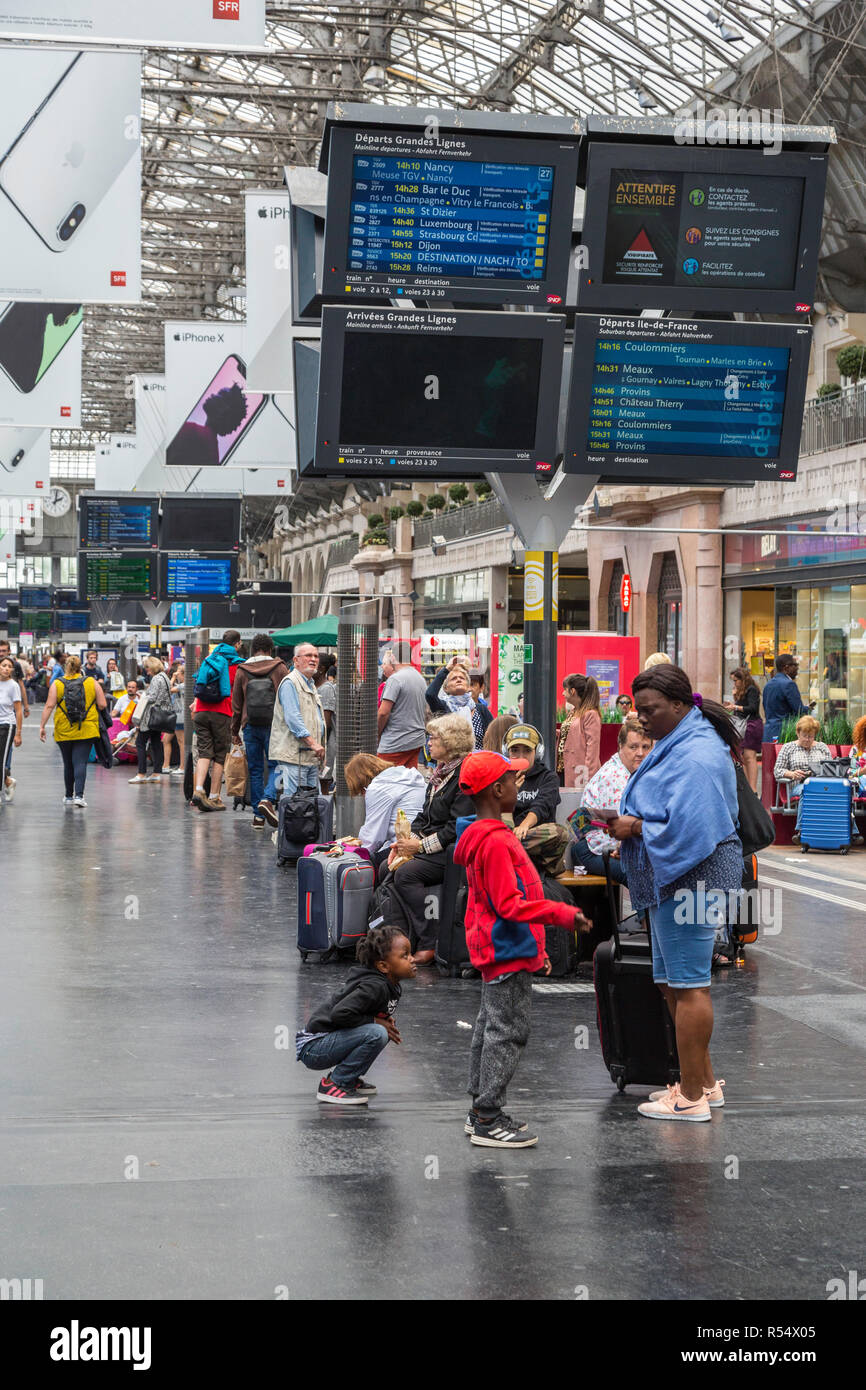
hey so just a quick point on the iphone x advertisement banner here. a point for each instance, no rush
(40, 364)
(25, 462)
(70, 175)
(177, 23)
(269, 332)
(117, 464)
(221, 436)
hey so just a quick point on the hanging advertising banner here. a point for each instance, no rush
(200, 24)
(40, 364)
(70, 137)
(117, 464)
(510, 672)
(25, 462)
(220, 436)
(268, 334)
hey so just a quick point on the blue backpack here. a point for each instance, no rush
(208, 682)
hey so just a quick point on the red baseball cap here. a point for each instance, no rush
(481, 770)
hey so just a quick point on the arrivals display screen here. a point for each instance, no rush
(431, 392)
(190, 523)
(117, 575)
(687, 401)
(189, 577)
(32, 596)
(465, 217)
(71, 620)
(118, 522)
(683, 228)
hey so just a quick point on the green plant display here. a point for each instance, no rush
(851, 360)
(415, 508)
(435, 502)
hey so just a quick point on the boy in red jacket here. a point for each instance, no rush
(505, 920)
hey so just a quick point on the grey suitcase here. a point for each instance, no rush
(334, 895)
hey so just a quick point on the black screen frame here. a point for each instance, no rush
(680, 468)
(337, 322)
(548, 294)
(594, 292)
(197, 596)
(140, 596)
(89, 500)
(200, 510)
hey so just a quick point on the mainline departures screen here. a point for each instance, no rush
(116, 576)
(108, 522)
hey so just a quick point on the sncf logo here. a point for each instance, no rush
(65, 412)
(226, 9)
(118, 277)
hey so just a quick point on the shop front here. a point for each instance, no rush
(800, 589)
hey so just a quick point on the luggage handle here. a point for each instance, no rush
(611, 900)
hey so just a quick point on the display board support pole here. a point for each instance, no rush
(542, 520)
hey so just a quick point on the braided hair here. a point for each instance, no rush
(674, 684)
(377, 944)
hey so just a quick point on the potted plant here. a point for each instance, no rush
(458, 492)
(829, 388)
(415, 508)
(482, 490)
(851, 361)
(396, 512)
(375, 521)
(435, 502)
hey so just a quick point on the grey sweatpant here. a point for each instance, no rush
(501, 1033)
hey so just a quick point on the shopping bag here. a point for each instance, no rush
(236, 771)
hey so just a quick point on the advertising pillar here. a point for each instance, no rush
(540, 619)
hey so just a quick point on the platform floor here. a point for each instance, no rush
(149, 966)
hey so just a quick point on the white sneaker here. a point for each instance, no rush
(68, 800)
(79, 801)
(154, 777)
(10, 789)
(177, 772)
(137, 779)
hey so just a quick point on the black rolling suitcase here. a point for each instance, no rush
(452, 953)
(635, 1029)
(562, 947)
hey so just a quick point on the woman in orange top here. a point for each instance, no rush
(581, 757)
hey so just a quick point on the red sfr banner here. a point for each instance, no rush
(625, 593)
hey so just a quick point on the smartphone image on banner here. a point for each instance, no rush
(32, 336)
(224, 413)
(72, 149)
(14, 447)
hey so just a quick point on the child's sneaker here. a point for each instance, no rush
(469, 1126)
(501, 1133)
(675, 1106)
(332, 1094)
(363, 1088)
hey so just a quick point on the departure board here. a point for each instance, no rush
(117, 575)
(71, 620)
(465, 218)
(113, 522)
(198, 576)
(686, 228)
(31, 596)
(666, 399)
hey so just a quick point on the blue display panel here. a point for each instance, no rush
(184, 615)
(31, 596)
(70, 621)
(671, 400)
(463, 216)
(677, 398)
(198, 576)
(433, 217)
(114, 523)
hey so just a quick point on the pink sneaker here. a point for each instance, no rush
(674, 1106)
(662, 1095)
(714, 1095)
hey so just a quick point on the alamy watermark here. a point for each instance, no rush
(731, 125)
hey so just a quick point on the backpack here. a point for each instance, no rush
(261, 698)
(208, 683)
(74, 702)
(299, 818)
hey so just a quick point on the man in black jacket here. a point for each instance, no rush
(537, 799)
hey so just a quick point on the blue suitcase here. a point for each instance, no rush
(334, 894)
(825, 821)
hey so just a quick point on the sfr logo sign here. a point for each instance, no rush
(226, 9)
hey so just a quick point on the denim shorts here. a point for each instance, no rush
(682, 952)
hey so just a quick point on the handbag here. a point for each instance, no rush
(236, 772)
(739, 722)
(160, 719)
(754, 822)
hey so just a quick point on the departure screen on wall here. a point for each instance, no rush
(116, 575)
(671, 400)
(408, 393)
(187, 577)
(683, 228)
(71, 620)
(189, 523)
(115, 522)
(462, 217)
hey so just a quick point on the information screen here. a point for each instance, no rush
(465, 217)
(71, 621)
(117, 576)
(701, 228)
(32, 597)
(433, 392)
(191, 523)
(662, 399)
(198, 576)
(116, 522)
(36, 619)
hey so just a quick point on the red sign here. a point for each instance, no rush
(625, 593)
(65, 412)
(226, 9)
(118, 277)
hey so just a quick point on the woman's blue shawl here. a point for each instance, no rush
(685, 791)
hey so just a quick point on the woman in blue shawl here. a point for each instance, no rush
(682, 857)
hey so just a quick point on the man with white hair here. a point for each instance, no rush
(297, 743)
